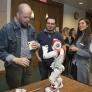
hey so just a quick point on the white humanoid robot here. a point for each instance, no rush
(58, 68)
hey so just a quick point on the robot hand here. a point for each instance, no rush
(45, 48)
(33, 45)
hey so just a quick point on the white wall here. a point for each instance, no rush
(8, 10)
(5, 9)
(1, 65)
(3, 12)
(68, 17)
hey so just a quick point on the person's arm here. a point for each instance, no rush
(87, 51)
(37, 50)
(37, 55)
(4, 44)
(81, 52)
(62, 40)
(4, 53)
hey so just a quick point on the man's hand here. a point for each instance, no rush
(37, 55)
(33, 45)
(21, 61)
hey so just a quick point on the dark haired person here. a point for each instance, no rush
(82, 50)
(45, 37)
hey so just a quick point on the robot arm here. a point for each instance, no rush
(46, 54)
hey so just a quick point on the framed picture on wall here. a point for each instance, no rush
(76, 15)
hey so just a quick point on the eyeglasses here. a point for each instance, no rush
(50, 23)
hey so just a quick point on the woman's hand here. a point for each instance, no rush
(73, 48)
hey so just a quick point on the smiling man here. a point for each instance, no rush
(45, 37)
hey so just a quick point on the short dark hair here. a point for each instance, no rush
(50, 18)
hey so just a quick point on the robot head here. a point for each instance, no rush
(56, 45)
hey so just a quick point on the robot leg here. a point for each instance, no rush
(60, 82)
(54, 75)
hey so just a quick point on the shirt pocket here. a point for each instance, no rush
(12, 42)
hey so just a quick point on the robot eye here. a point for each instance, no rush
(57, 45)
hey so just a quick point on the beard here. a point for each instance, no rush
(25, 25)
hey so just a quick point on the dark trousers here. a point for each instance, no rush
(68, 64)
(74, 71)
(17, 76)
(45, 70)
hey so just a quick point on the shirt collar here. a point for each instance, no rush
(48, 31)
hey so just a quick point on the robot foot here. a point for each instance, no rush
(49, 89)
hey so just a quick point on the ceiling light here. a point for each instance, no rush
(81, 3)
(47, 15)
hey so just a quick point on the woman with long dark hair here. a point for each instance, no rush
(82, 50)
